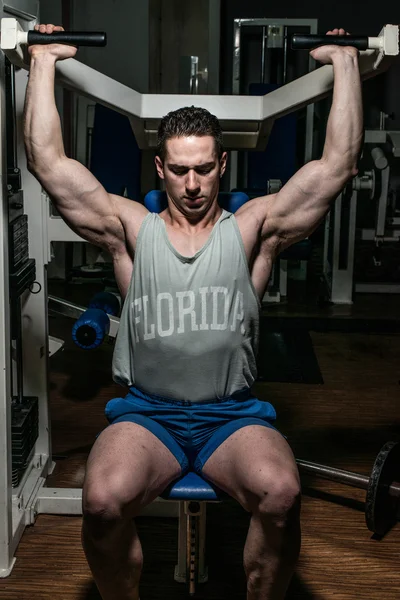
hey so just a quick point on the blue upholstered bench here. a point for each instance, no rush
(192, 488)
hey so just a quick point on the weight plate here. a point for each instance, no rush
(381, 508)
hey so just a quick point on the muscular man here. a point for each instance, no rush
(192, 278)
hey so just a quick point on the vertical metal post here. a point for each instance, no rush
(68, 96)
(18, 354)
(68, 129)
(194, 75)
(285, 53)
(11, 126)
(236, 57)
(6, 528)
(234, 157)
(327, 267)
(263, 46)
(309, 143)
(382, 207)
(203, 570)
(188, 520)
(214, 40)
(341, 279)
(180, 569)
(35, 339)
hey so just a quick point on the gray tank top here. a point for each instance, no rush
(189, 325)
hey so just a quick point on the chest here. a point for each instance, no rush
(185, 244)
(189, 244)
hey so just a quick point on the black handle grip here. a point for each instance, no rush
(69, 38)
(307, 42)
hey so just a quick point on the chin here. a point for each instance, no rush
(196, 207)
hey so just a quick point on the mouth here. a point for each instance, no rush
(196, 200)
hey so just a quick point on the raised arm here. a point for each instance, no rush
(297, 209)
(79, 197)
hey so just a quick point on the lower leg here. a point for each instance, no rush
(271, 552)
(114, 554)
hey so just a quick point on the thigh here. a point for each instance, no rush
(128, 467)
(252, 462)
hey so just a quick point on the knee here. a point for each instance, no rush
(105, 503)
(278, 499)
(101, 513)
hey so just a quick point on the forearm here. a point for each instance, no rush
(42, 126)
(344, 131)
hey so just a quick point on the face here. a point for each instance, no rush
(191, 171)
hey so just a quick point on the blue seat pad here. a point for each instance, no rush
(192, 487)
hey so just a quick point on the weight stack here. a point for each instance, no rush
(22, 268)
(18, 243)
(24, 433)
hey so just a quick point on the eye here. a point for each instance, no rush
(204, 171)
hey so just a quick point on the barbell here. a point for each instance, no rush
(382, 504)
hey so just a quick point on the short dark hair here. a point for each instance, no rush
(190, 120)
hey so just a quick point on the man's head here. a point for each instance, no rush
(191, 159)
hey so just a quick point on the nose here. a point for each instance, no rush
(192, 183)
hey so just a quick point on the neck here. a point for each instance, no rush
(192, 223)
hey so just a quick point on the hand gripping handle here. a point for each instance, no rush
(307, 42)
(69, 38)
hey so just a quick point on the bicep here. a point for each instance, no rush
(297, 209)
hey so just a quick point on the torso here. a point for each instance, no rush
(249, 217)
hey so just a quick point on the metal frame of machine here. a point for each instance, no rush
(270, 23)
(20, 505)
(341, 227)
(277, 288)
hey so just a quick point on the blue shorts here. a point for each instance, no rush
(192, 432)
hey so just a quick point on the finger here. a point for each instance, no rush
(49, 28)
(341, 31)
(58, 28)
(42, 28)
(36, 27)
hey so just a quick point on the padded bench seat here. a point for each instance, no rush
(192, 488)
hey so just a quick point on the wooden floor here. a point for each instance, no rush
(342, 423)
